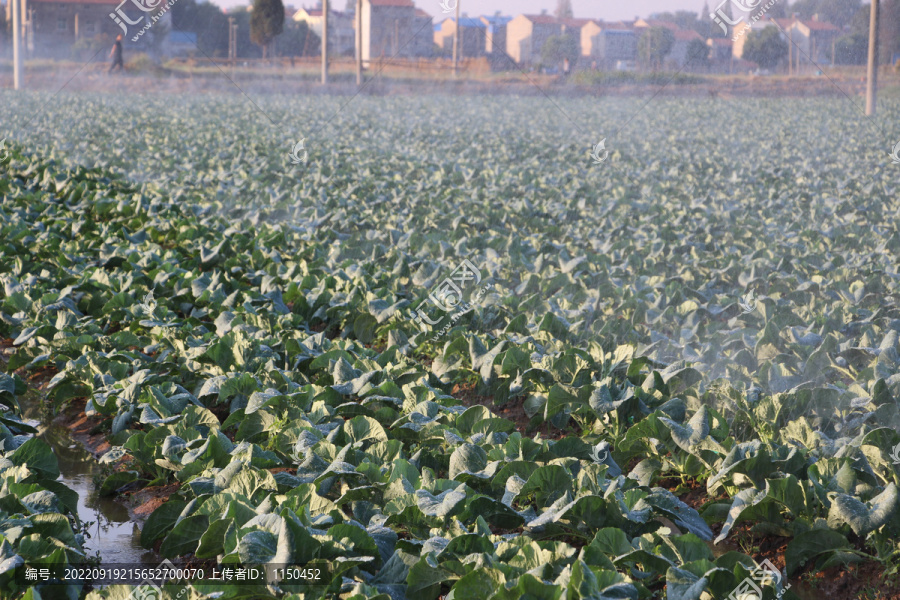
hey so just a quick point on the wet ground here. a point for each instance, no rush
(112, 535)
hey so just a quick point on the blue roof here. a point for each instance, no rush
(183, 37)
(495, 20)
(469, 22)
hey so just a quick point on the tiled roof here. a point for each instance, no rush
(811, 24)
(317, 12)
(496, 19)
(542, 19)
(575, 23)
(666, 24)
(470, 22)
(614, 25)
(686, 35)
(783, 23)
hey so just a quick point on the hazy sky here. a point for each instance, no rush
(612, 10)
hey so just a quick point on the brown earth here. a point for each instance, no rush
(85, 430)
(74, 76)
(144, 501)
(512, 410)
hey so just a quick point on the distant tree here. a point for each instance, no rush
(207, 21)
(805, 9)
(266, 22)
(706, 26)
(698, 54)
(687, 19)
(888, 31)
(564, 9)
(779, 10)
(246, 48)
(765, 47)
(158, 34)
(298, 41)
(654, 45)
(559, 47)
(860, 21)
(838, 12)
(851, 49)
(87, 47)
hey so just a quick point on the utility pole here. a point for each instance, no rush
(456, 42)
(649, 58)
(812, 53)
(359, 48)
(324, 42)
(231, 44)
(791, 53)
(18, 80)
(28, 30)
(872, 80)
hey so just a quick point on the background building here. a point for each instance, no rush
(526, 34)
(604, 45)
(816, 40)
(678, 56)
(495, 34)
(341, 29)
(471, 38)
(811, 41)
(395, 29)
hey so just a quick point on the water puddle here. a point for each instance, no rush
(113, 536)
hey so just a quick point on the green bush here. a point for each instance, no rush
(86, 48)
(141, 63)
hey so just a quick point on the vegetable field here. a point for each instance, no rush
(653, 374)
